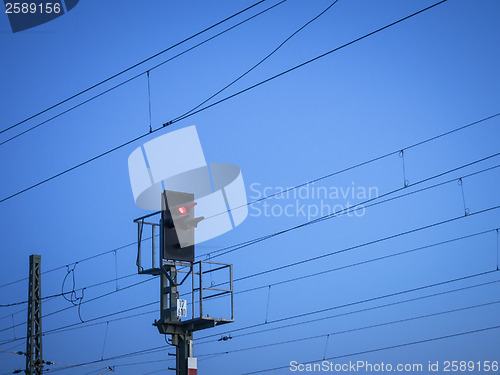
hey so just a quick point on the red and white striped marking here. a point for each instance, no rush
(192, 366)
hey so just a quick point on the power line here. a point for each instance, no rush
(268, 329)
(160, 348)
(211, 105)
(50, 363)
(394, 294)
(79, 324)
(261, 61)
(73, 326)
(360, 245)
(337, 213)
(65, 328)
(339, 332)
(382, 202)
(14, 313)
(78, 261)
(348, 249)
(140, 74)
(384, 348)
(74, 290)
(307, 62)
(355, 329)
(132, 67)
(290, 189)
(86, 301)
(357, 263)
(363, 204)
(463, 127)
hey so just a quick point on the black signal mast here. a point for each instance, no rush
(177, 269)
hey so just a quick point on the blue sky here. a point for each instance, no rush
(423, 77)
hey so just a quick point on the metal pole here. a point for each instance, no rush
(193, 301)
(201, 289)
(34, 358)
(231, 288)
(153, 253)
(184, 350)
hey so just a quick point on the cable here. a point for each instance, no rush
(87, 301)
(162, 348)
(261, 61)
(211, 105)
(354, 329)
(306, 62)
(341, 251)
(79, 325)
(267, 329)
(50, 363)
(251, 289)
(140, 74)
(80, 261)
(65, 328)
(319, 257)
(376, 203)
(290, 189)
(64, 293)
(132, 67)
(136, 353)
(343, 211)
(384, 348)
(354, 303)
(357, 263)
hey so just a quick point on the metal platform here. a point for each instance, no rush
(190, 325)
(174, 276)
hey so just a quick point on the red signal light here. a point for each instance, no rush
(182, 210)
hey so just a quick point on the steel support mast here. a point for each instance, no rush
(34, 359)
(177, 268)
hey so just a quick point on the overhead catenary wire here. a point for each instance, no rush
(346, 331)
(262, 60)
(70, 292)
(140, 74)
(306, 62)
(342, 211)
(133, 66)
(379, 240)
(109, 151)
(89, 300)
(446, 221)
(356, 263)
(317, 319)
(78, 325)
(385, 348)
(161, 348)
(349, 304)
(339, 332)
(50, 363)
(329, 175)
(78, 261)
(65, 328)
(331, 333)
(74, 325)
